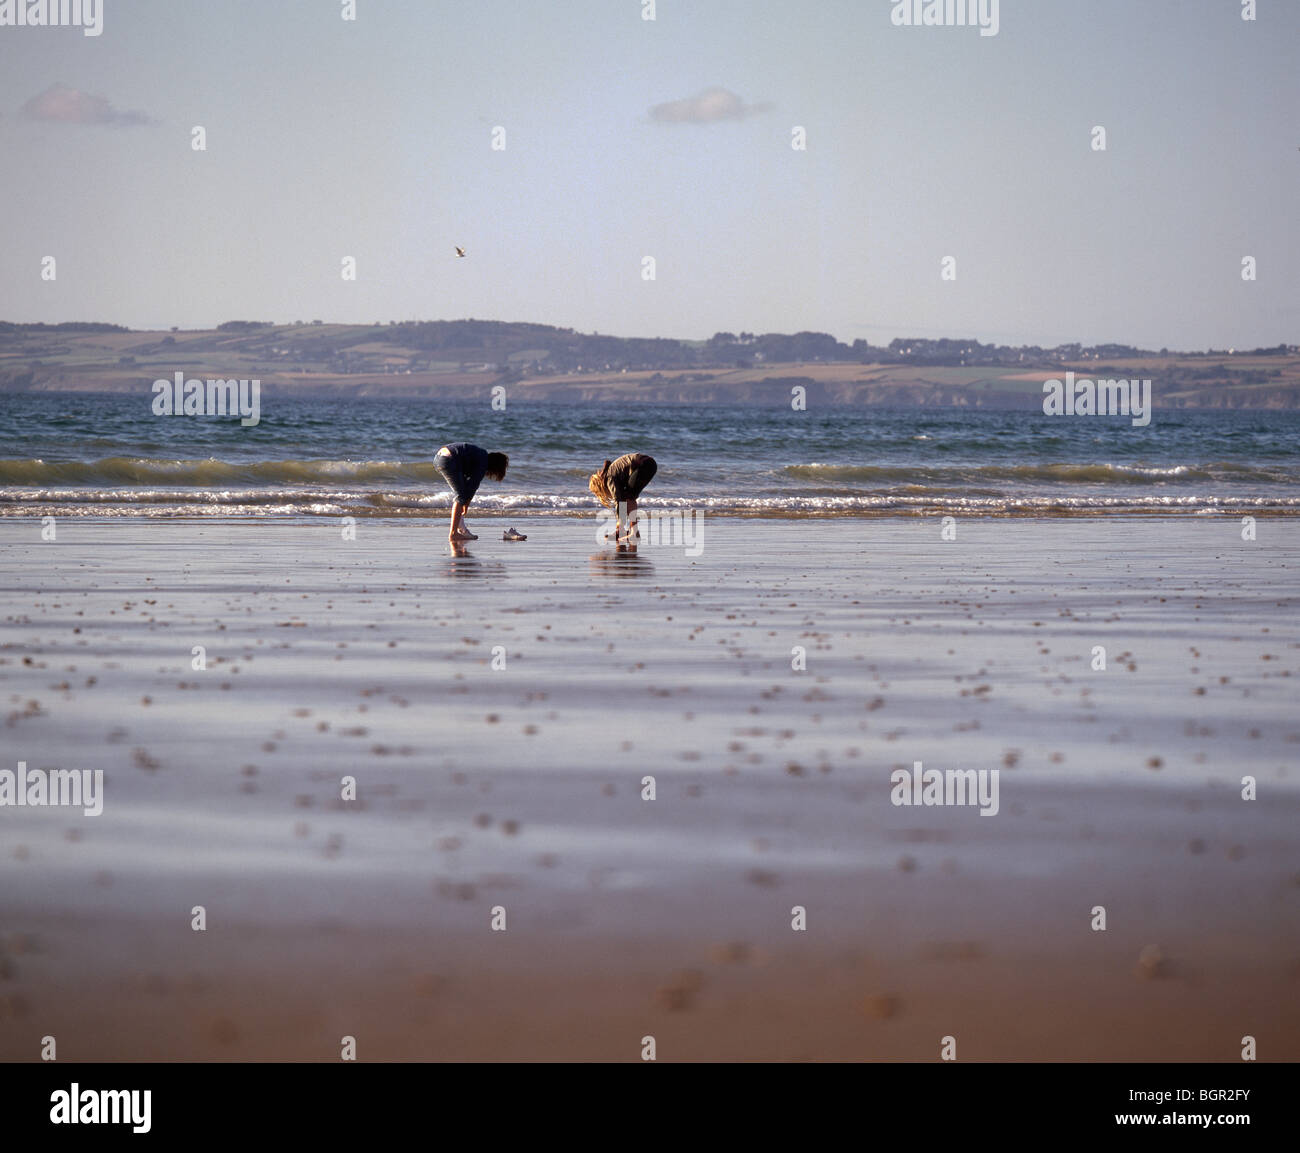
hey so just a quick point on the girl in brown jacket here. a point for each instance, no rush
(618, 484)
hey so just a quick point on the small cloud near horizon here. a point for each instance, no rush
(61, 104)
(709, 106)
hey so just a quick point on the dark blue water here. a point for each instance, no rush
(88, 454)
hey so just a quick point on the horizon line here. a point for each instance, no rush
(316, 322)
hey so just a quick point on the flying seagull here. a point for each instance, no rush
(459, 251)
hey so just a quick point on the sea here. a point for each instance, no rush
(108, 455)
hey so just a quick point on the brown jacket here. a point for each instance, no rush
(625, 477)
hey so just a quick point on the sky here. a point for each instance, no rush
(671, 138)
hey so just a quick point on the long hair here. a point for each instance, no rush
(600, 486)
(497, 463)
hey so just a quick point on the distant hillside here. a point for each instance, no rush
(465, 358)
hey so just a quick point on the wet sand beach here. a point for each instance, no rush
(500, 712)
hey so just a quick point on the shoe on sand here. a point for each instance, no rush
(510, 534)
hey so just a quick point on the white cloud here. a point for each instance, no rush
(60, 104)
(708, 106)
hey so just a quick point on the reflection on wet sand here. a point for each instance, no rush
(463, 563)
(625, 561)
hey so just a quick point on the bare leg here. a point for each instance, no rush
(459, 529)
(629, 532)
(465, 534)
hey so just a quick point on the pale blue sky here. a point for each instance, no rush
(373, 139)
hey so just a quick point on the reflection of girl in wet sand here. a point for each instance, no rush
(464, 466)
(618, 484)
(620, 562)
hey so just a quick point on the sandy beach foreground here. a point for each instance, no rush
(499, 888)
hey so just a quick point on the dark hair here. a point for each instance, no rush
(497, 463)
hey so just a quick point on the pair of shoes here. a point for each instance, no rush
(510, 534)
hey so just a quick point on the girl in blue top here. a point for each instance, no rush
(464, 466)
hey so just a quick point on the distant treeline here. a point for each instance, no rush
(68, 326)
(517, 349)
(539, 347)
